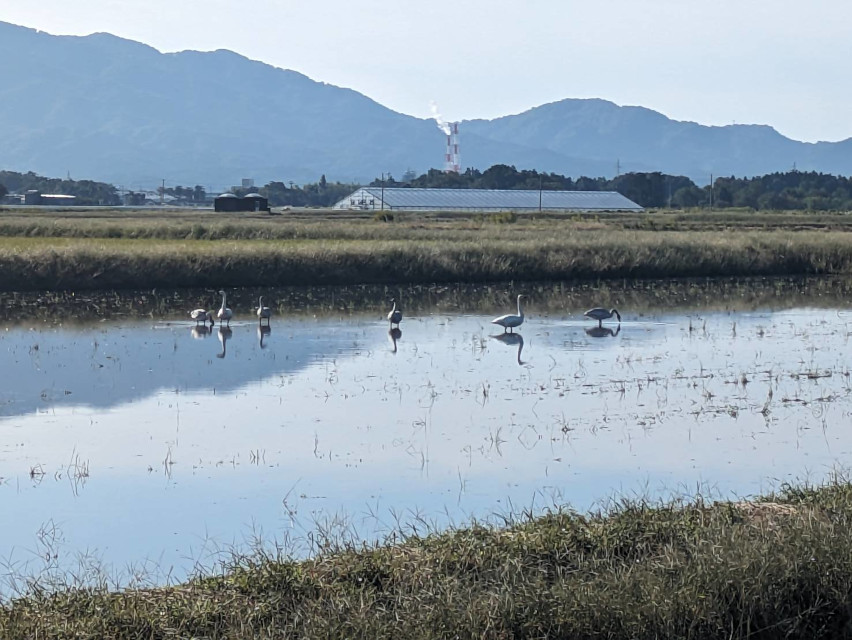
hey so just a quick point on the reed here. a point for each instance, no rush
(779, 567)
(127, 250)
(90, 263)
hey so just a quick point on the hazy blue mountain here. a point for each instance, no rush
(110, 109)
(640, 139)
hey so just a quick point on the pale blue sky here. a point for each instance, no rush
(777, 62)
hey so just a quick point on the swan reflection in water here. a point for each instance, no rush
(512, 338)
(224, 335)
(262, 332)
(201, 331)
(603, 332)
(394, 334)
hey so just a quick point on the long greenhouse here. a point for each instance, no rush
(405, 199)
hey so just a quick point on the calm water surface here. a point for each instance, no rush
(132, 437)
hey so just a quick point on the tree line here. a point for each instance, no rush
(88, 192)
(793, 190)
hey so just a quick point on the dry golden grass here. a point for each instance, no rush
(124, 250)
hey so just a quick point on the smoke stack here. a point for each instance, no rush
(452, 159)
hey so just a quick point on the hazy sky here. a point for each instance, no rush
(777, 62)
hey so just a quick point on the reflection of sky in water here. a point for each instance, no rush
(180, 445)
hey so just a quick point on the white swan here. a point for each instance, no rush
(395, 315)
(600, 314)
(511, 320)
(263, 312)
(201, 315)
(224, 314)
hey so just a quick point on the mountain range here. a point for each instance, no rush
(104, 108)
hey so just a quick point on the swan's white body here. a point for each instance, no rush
(224, 314)
(201, 315)
(263, 312)
(600, 314)
(511, 320)
(395, 315)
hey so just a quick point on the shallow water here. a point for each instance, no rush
(136, 438)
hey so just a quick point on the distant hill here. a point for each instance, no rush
(640, 139)
(110, 109)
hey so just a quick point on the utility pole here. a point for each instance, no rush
(163, 193)
(383, 192)
(711, 192)
(539, 193)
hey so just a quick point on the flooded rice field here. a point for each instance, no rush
(133, 438)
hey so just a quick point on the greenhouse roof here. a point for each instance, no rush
(496, 199)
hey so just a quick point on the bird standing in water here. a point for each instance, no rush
(511, 320)
(263, 312)
(201, 315)
(395, 315)
(224, 314)
(600, 314)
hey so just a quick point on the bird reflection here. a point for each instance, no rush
(603, 332)
(224, 335)
(395, 334)
(262, 332)
(512, 338)
(201, 331)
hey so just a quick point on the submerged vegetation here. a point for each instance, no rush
(121, 249)
(779, 567)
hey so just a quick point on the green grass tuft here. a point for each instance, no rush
(779, 567)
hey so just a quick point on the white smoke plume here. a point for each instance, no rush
(439, 120)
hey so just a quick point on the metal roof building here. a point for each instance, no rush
(402, 199)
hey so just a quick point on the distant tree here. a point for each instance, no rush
(587, 184)
(500, 176)
(308, 195)
(687, 197)
(3, 190)
(323, 183)
(645, 189)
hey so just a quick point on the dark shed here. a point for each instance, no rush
(232, 202)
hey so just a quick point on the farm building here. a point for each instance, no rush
(402, 199)
(249, 202)
(36, 197)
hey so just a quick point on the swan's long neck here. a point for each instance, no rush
(394, 306)
(223, 300)
(260, 302)
(520, 309)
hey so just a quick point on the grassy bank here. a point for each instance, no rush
(99, 250)
(642, 297)
(780, 568)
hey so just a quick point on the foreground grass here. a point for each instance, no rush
(781, 568)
